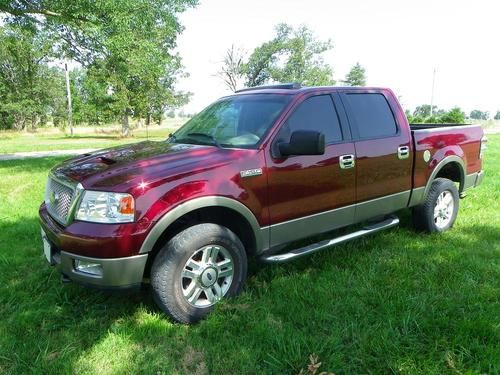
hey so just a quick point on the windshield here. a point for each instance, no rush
(236, 121)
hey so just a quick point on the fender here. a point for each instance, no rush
(440, 165)
(418, 194)
(203, 202)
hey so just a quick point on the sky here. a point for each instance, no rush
(399, 43)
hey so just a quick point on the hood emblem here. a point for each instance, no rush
(251, 172)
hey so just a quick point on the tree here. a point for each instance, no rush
(30, 90)
(293, 55)
(497, 116)
(424, 110)
(476, 114)
(128, 42)
(231, 71)
(453, 116)
(356, 76)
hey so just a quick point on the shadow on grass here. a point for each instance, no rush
(373, 304)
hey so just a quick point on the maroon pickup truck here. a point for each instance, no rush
(249, 176)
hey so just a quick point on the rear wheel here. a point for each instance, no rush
(440, 208)
(196, 269)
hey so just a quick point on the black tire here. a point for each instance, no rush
(167, 278)
(423, 214)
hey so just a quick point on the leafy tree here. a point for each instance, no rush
(497, 116)
(476, 114)
(231, 71)
(424, 110)
(93, 100)
(422, 115)
(30, 90)
(453, 116)
(356, 76)
(293, 55)
(128, 42)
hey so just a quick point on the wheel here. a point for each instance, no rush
(195, 269)
(440, 208)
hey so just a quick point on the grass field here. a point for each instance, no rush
(48, 139)
(397, 302)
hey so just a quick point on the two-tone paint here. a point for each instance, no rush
(290, 198)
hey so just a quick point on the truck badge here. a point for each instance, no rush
(251, 172)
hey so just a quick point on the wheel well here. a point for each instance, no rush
(452, 171)
(216, 215)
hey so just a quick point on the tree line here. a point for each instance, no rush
(124, 51)
(425, 114)
(123, 63)
(296, 55)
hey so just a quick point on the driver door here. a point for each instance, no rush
(310, 194)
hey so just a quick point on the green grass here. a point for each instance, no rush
(85, 137)
(397, 302)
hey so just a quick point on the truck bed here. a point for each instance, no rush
(463, 140)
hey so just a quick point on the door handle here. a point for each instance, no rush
(347, 161)
(403, 152)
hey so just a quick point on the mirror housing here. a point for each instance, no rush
(303, 142)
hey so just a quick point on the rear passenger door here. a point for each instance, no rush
(309, 194)
(382, 143)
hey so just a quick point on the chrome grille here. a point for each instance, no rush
(58, 199)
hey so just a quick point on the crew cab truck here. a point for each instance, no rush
(246, 177)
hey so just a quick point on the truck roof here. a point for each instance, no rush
(295, 88)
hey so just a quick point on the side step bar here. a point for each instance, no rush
(306, 250)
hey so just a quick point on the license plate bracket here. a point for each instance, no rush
(47, 247)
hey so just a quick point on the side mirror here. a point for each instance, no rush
(303, 142)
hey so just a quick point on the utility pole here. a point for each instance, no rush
(432, 92)
(68, 91)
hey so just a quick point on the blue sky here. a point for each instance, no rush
(398, 42)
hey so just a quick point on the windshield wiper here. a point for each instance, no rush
(211, 137)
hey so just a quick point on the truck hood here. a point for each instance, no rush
(118, 168)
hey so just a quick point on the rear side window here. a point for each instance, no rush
(372, 115)
(315, 113)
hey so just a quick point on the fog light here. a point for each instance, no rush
(88, 267)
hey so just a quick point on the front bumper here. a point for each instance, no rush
(117, 273)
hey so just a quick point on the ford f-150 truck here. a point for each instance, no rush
(250, 176)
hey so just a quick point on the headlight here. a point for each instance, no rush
(102, 207)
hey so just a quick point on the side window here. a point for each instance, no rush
(372, 115)
(315, 113)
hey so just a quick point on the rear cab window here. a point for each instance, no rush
(372, 115)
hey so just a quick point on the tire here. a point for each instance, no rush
(196, 268)
(428, 217)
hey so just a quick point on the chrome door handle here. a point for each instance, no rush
(347, 161)
(403, 152)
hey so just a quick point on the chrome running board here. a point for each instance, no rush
(306, 250)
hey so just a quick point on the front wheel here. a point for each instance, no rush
(195, 269)
(440, 208)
